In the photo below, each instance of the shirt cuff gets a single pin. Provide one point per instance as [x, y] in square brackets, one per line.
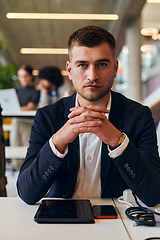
[119, 150]
[55, 151]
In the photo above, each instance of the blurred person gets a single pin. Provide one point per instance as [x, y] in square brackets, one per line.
[52, 85]
[3, 179]
[28, 98]
[27, 94]
[95, 143]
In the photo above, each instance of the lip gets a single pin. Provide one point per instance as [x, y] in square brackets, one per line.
[92, 86]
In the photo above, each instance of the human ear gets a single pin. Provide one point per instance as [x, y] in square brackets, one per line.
[68, 68]
[115, 67]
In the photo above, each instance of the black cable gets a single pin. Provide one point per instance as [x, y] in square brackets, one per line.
[144, 208]
[152, 238]
[141, 215]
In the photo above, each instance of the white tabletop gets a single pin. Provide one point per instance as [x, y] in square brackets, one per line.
[17, 152]
[19, 114]
[17, 222]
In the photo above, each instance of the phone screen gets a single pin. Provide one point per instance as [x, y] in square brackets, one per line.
[104, 211]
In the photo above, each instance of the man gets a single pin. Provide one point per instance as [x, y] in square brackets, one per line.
[95, 143]
[3, 179]
[51, 85]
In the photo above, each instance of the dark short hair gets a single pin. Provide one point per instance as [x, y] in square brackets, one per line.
[91, 36]
[52, 74]
[27, 68]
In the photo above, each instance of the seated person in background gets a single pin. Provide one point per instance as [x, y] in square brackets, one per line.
[52, 86]
[28, 98]
[27, 94]
[96, 142]
[3, 179]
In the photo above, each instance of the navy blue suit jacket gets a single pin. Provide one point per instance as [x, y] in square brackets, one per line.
[137, 168]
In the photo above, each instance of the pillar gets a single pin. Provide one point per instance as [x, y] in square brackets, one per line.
[133, 41]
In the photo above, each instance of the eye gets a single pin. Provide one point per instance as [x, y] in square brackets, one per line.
[82, 65]
[102, 65]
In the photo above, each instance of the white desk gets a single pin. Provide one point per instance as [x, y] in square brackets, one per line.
[15, 152]
[17, 222]
[19, 114]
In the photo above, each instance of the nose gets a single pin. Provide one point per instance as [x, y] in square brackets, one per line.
[92, 74]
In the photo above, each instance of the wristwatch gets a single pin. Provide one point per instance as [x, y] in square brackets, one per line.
[121, 140]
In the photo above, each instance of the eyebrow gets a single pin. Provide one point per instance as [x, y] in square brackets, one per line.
[99, 60]
[103, 60]
[81, 61]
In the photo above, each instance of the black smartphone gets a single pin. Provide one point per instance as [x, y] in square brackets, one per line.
[104, 211]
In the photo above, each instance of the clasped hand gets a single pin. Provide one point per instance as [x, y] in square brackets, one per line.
[83, 120]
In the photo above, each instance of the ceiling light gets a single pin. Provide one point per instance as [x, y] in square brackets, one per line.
[125, 51]
[62, 16]
[64, 73]
[153, 1]
[149, 31]
[156, 36]
[148, 48]
[44, 50]
[35, 72]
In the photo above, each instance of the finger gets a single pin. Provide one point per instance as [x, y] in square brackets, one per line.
[87, 124]
[94, 108]
[93, 114]
[81, 119]
[98, 109]
[77, 111]
[84, 117]
[79, 130]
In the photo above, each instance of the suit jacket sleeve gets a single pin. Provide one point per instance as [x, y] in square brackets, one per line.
[139, 164]
[41, 166]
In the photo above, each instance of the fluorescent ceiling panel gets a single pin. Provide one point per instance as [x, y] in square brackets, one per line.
[62, 16]
[44, 50]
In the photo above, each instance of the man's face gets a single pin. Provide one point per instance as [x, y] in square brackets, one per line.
[92, 71]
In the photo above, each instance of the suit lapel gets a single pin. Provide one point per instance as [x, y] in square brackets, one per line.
[73, 152]
[116, 118]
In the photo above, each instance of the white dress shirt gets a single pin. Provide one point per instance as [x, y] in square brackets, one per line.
[88, 179]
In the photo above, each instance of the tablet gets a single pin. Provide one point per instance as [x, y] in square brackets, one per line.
[64, 211]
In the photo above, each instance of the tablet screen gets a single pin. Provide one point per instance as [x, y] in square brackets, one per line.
[57, 211]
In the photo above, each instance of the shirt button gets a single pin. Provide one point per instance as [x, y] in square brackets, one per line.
[89, 158]
[87, 180]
